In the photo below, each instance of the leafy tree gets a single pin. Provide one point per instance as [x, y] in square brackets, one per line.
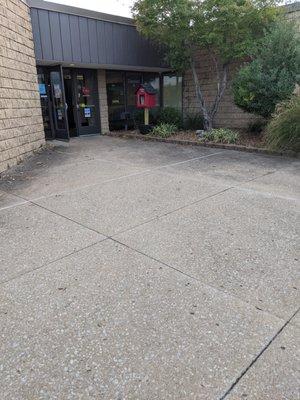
[272, 75]
[225, 28]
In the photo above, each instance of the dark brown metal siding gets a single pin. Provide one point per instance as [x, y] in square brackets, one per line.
[64, 37]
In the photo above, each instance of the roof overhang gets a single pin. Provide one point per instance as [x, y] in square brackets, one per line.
[102, 66]
[47, 5]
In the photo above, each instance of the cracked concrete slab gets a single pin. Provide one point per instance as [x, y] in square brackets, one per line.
[65, 178]
[110, 323]
[31, 237]
[245, 244]
[231, 167]
[284, 183]
[217, 281]
[279, 376]
[8, 200]
[122, 204]
[143, 155]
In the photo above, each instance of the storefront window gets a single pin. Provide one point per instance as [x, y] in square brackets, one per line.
[121, 98]
[172, 91]
[115, 98]
[133, 81]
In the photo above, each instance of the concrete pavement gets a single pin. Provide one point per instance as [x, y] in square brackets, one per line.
[139, 270]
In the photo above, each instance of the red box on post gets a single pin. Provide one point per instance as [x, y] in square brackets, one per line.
[145, 96]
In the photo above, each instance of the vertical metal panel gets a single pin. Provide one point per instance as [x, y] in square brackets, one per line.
[117, 39]
[36, 34]
[101, 43]
[45, 34]
[84, 40]
[108, 38]
[65, 37]
[132, 53]
[75, 38]
[55, 36]
[60, 36]
[93, 40]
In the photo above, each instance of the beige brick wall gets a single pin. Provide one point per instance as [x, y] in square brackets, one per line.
[229, 115]
[101, 74]
[21, 126]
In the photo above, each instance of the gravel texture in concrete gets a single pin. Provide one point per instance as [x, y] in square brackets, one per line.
[142, 270]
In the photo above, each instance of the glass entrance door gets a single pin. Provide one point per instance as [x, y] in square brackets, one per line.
[61, 128]
[86, 101]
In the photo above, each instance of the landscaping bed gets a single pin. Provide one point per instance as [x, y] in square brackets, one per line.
[245, 142]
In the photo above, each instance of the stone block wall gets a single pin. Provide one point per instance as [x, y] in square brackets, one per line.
[104, 124]
[229, 115]
[21, 125]
[293, 13]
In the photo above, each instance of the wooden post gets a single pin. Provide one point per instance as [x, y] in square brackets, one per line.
[146, 116]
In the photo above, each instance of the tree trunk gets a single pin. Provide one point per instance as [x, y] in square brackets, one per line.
[209, 114]
[207, 121]
[222, 83]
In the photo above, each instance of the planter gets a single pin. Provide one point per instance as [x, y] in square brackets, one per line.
[145, 129]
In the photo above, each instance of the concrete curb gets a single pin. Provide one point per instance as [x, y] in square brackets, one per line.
[236, 147]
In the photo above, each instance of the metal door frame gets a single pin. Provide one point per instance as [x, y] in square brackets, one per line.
[59, 134]
[81, 131]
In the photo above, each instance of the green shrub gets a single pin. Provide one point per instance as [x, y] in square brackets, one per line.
[164, 130]
[257, 126]
[221, 135]
[170, 115]
[271, 77]
[283, 131]
[193, 121]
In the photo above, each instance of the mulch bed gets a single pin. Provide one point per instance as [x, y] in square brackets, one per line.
[245, 138]
[248, 142]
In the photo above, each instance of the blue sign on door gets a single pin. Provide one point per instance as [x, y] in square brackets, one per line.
[87, 112]
[42, 89]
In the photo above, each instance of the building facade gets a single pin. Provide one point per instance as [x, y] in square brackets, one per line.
[66, 72]
[89, 66]
[21, 124]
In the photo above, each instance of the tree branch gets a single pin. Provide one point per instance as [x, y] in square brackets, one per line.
[199, 93]
[222, 83]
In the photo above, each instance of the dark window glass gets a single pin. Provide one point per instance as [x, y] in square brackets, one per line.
[115, 99]
[172, 91]
[85, 99]
[58, 100]
[133, 80]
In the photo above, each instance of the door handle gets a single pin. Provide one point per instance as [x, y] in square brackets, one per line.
[66, 106]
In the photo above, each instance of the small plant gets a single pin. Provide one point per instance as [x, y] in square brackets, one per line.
[283, 131]
[221, 135]
[170, 115]
[193, 121]
[164, 130]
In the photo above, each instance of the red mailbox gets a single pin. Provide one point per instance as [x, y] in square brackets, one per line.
[146, 96]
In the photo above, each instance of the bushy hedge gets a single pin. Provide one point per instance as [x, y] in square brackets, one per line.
[273, 72]
[283, 131]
